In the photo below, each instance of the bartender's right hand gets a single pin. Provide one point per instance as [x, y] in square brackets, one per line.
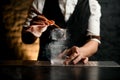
[39, 24]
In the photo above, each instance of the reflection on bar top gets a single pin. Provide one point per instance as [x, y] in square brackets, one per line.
[47, 63]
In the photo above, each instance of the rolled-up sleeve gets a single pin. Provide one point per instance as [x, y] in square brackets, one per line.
[94, 20]
[37, 5]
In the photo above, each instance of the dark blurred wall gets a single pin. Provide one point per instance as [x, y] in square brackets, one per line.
[14, 12]
[110, 31]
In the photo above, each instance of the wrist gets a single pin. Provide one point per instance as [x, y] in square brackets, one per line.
[89, 48]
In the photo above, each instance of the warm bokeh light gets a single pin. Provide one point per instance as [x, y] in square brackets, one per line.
[14, 15]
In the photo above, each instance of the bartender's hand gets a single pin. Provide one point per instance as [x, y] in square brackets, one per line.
[74, 55]
[39, 24]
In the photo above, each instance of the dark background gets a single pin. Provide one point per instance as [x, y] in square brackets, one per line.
[14, 12]
[110, 31]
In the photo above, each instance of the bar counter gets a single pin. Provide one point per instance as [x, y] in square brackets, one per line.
[43, 70]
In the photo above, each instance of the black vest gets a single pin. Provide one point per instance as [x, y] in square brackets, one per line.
[76, 25]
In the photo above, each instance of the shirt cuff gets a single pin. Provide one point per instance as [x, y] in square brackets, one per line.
[97, 40]
[94, 37]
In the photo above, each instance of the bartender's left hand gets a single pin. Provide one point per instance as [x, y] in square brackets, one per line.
[75, 55]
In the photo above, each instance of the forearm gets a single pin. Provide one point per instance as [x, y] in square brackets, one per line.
[90, 48]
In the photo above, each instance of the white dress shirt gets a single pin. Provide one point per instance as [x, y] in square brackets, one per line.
[67, 7]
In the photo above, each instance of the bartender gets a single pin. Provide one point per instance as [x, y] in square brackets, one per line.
[81, 18]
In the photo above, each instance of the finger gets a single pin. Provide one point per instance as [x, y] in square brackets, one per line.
[42, 18]
[77, 59]
[38, 28]
[39, 23]
[44, 29]
[64, 53]
[85, 60]
[71, 58]
[51, 22]
[46, 23]
[39, 18]
[36, 23]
